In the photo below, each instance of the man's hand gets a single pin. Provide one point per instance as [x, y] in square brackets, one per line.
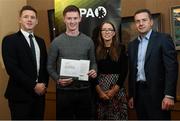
[131, 103]
[40, 88]
[167, 103]
[92, 73]
[65, 82]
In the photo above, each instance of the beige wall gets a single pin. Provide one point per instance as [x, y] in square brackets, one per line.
[43, 27]
[8, 24]
[9, 11]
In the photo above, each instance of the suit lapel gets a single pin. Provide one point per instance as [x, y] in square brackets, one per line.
[150, 46]
[26, 46]
[136, 44]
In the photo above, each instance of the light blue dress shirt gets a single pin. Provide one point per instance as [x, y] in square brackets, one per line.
[142, 48]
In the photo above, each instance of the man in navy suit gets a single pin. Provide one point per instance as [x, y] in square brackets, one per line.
[153, 70]
[24, 56]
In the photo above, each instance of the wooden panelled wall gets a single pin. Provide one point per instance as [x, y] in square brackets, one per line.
[128, 7]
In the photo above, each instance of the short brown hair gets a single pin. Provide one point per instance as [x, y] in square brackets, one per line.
[144, 11]
[71, 8]
[27, 7]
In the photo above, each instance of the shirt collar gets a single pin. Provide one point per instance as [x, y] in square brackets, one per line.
[26, 34]
[147, 36]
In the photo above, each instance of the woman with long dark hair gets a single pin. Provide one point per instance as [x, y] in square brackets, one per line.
[112, 70]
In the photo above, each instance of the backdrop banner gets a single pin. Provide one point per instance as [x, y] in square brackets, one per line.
[93, 12]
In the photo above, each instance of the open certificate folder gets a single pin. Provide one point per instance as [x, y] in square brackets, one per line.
[76, 69]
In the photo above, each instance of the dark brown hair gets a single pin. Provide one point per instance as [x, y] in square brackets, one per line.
[144, 11]
[101, 52]
[27, 7]
[71, 8]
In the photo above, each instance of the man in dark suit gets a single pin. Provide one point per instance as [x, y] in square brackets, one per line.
[153, 70]
[24, 56]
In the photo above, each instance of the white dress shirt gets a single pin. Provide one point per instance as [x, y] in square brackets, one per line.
[37, 50]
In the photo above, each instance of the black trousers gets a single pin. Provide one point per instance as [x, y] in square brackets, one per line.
[74, 104]
[146, 109]
[27, 110]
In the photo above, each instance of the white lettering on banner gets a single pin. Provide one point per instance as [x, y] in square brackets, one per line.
[90, 13]
[99, 12]
[83, 11]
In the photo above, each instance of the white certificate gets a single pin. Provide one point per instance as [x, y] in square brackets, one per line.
[75, 69]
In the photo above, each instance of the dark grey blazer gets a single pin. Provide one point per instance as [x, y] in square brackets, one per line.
[161, 66]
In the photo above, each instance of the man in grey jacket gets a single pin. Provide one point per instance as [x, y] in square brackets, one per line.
[73, 99]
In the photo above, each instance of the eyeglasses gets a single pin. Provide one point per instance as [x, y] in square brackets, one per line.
[107, 30]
